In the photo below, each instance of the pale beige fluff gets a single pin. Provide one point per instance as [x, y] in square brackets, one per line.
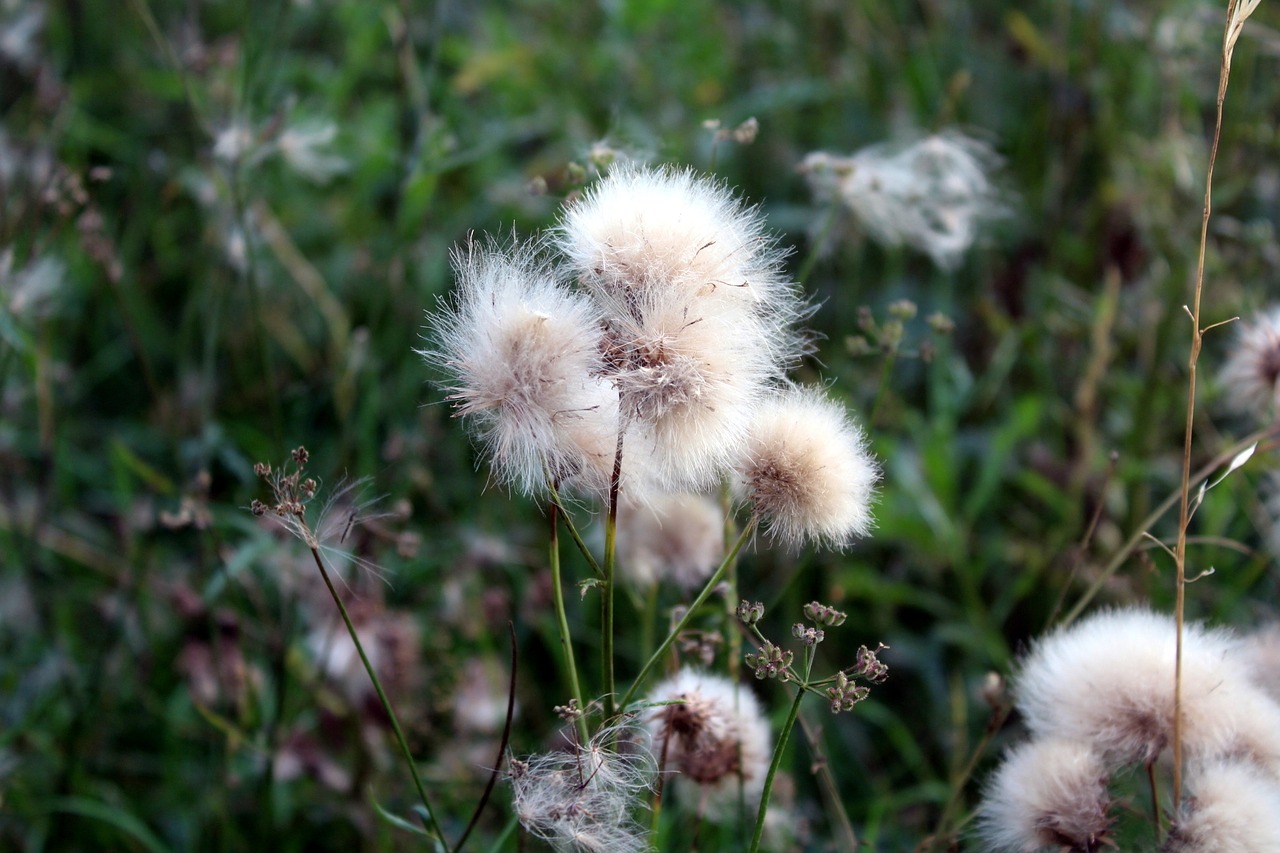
[1048, 794]
[677, 538]
[807, 471]
[643, 229]
[1108, 680]
[716, 739]
[522, 354]
[1233, 807]
[1251, 373]
[1262, 655]
[689, 373]
[934, 195]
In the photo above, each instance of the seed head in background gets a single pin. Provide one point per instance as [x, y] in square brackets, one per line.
[522, 353]
[677, 537]
[935, 195]
[1234, 807]
[1048, 794]
[1109, 681]
[1251, 375]
[713, 735]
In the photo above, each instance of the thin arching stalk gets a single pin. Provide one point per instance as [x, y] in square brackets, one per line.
[386, 703]
[707, 589]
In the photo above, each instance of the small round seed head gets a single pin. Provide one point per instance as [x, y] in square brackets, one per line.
[1233, 807]
[1251, 374]
[1108, 680]
[688, 374]
[642, 229]
[807, 471]
[715, 737]
[522, 355]
[679, 538]
[1049, 794]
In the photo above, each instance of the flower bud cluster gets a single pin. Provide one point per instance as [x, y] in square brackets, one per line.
[771, 662]
[805, 634]
[749, 612]
[821, 614]
[844, 694]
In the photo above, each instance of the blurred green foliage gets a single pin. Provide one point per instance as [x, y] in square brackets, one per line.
[243, 211]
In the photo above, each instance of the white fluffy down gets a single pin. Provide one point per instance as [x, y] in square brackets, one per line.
[1048, 794]
[1108, 680]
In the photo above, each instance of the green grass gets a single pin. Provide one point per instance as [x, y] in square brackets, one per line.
[165, 364]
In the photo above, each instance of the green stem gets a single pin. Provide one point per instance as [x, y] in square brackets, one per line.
[573, 530]
[711, 584]
[606, 601]
[1132, 542]
[386, 703]
[778, 751]
[566, 639]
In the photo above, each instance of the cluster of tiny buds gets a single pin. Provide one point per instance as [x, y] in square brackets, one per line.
[291, 492]
[845, 694]
[868, 666]
[750, 612]
[772, 662]
[569, 713]
[805, 634]
[821, 614]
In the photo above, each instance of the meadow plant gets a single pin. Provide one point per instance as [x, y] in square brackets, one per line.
[1251, 373]
[636, 358]
[935, 195]
[1098, 700]
[711, 735]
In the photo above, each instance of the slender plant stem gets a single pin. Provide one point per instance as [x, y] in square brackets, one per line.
[566, 639]
[1156, 514]
[711, 584]
[1197, 339]
[778, 751]
[382, 697]
[606, 601]
[813, 734]
[502, 746]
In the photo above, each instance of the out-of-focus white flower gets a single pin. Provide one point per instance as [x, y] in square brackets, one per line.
[934, 195]
[19, 28]
[1048, 794]
[806, 470]
[300, 146]
[583, 800]
[714, 736]
[1233, 807]
[234, 143]
[32, 291]
[671, 537]
[1251, 375]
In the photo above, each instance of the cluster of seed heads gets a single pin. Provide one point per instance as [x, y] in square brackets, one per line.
[821, 614]
[772, 662]
[290, 491]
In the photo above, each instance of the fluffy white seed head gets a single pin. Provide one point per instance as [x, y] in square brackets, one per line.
[523, 358]
[679, 538]
[1251, 375]
[1108, 680]
[1233, 807]
[688, 373]
[584, 799]
[934, 195]
[1261, 651]
[715, 738]
[807, 470]
[1048, 794]
[643, 229]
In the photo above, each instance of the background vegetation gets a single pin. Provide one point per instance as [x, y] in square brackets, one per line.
[192, 284]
